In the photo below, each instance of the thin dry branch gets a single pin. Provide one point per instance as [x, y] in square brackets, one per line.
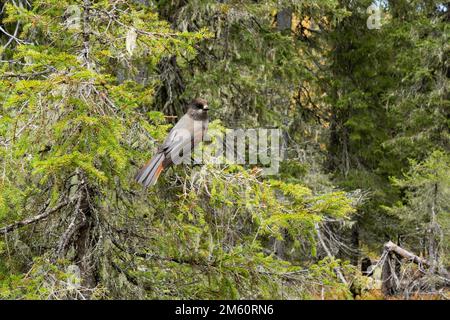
[329, 254]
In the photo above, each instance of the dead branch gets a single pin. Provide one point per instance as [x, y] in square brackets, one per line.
[34, 219]
[391, 267]
[322, 242]
[392, 247]
[70, 231]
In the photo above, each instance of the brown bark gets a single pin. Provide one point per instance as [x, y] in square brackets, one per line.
[355, 244]
[389, 275]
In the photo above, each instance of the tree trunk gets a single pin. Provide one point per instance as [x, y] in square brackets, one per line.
[84, 246]
[284, 19]
[355, 244]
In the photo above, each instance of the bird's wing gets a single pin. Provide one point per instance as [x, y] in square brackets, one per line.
[180, 135]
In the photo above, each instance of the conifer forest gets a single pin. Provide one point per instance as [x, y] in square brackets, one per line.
[321, 168]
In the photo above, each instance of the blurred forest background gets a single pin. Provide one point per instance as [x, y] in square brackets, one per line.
[359, 209]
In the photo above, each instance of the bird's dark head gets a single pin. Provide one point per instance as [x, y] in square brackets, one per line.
[198, 109]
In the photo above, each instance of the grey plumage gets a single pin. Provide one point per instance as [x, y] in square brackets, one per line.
[188, 132]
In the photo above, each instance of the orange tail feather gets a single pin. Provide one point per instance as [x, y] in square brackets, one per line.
[151, 171]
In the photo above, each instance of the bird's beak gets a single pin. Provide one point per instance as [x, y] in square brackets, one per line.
[205, 107]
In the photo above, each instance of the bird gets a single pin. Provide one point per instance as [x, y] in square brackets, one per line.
[189, 131]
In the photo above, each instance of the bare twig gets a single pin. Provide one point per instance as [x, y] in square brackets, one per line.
[322, 242]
